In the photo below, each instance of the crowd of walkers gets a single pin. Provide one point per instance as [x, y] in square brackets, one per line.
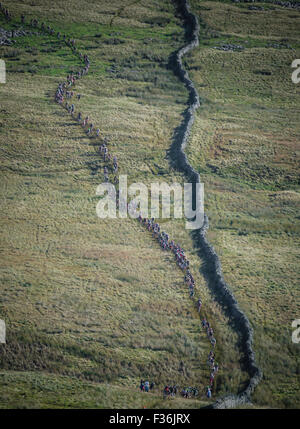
[184, 264]
[187, 392]
[63, 92]
[146, 386]
[63, 96]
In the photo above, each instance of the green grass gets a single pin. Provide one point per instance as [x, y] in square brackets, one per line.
[91, 305]
[42, 390]
[245, 144]
[82, 297]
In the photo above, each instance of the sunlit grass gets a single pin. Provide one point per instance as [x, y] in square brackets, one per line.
[83, 297]
[245, 144]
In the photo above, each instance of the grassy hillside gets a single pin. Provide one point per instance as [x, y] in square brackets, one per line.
[82, 297]
[245, 144]
[91, 306]
[40, 390]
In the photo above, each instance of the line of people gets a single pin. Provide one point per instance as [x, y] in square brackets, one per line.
[170, 391]
[184, 264]
[5, 12]
[63, 91]
[189, 392]
[86, 123]
[146, 386]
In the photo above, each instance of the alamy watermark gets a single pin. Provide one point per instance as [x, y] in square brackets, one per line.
[161, 200]
[2, 72]
[296, 73]
[2, 332]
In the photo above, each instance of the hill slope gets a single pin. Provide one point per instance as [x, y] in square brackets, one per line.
[91, 301]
